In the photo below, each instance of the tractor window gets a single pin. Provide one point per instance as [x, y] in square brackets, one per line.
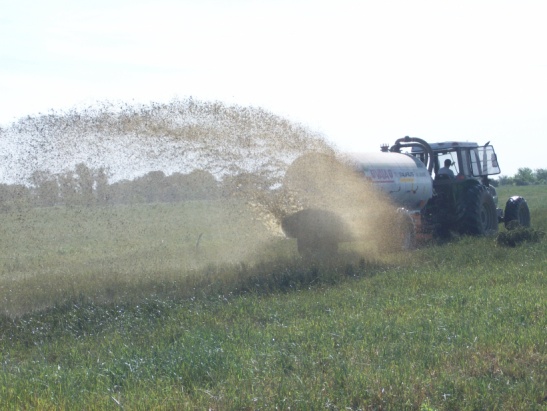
[443, 156]
[466, 171]
[489, 160]
[484, 161]
[475, 163]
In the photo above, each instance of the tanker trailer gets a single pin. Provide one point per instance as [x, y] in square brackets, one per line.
[372, 196]
[394, 196]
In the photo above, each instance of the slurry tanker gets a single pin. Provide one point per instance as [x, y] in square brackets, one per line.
[424, 200]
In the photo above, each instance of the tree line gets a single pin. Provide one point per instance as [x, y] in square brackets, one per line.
[525, 176]
[85, 186]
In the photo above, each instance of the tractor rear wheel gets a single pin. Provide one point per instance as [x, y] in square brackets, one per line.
[516, 209]
[480, 217]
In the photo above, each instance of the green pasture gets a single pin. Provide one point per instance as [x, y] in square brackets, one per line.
[198, 306]
[54, 253]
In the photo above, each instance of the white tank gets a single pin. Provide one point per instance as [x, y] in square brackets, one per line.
[403, 177]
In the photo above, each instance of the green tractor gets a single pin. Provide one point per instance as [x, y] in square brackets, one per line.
[463, 200]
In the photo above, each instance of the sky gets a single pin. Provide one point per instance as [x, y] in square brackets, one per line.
[363, 73]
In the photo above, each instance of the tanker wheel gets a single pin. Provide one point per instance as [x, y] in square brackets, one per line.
[407, 234]
[480, 216]
[516, 210]
[317, 248]
[398, 233]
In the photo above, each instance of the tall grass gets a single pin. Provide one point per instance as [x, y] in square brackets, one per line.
[458, 326]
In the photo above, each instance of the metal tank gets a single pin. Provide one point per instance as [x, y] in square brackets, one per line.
[320, 226]
[403, 177]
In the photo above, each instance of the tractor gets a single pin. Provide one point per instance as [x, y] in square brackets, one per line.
[418, 199]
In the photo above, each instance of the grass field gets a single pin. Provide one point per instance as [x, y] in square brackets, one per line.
[50, 254]
[169, 307]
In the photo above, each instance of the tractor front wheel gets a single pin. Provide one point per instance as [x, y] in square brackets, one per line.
[516, 210]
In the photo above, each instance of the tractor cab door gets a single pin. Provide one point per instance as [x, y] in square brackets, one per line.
[483, 161]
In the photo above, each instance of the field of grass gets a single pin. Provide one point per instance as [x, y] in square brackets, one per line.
[122, 308]
[109, 253]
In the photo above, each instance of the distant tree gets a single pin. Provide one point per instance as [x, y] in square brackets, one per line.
[102, 187]
[85, 182]
[13, 197]
[524, 177]
[197, 185]
[46, 188]
[505, 180]
[541, 175]
[68, 188]
[151, 186]
[200, 185]
[124, 192]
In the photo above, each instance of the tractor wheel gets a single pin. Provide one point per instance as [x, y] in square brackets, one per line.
[516, 209]
[480, 216]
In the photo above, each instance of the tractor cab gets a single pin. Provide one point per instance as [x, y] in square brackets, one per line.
[463, 199]
[467, 160]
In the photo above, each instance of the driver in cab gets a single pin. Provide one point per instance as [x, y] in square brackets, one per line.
[446, 171]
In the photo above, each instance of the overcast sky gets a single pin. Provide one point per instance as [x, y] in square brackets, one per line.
[361, 72]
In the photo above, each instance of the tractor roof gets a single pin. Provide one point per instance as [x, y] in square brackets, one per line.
[447, 145]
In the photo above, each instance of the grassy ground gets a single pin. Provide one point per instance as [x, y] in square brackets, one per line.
[109, 253]
[459, 326]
